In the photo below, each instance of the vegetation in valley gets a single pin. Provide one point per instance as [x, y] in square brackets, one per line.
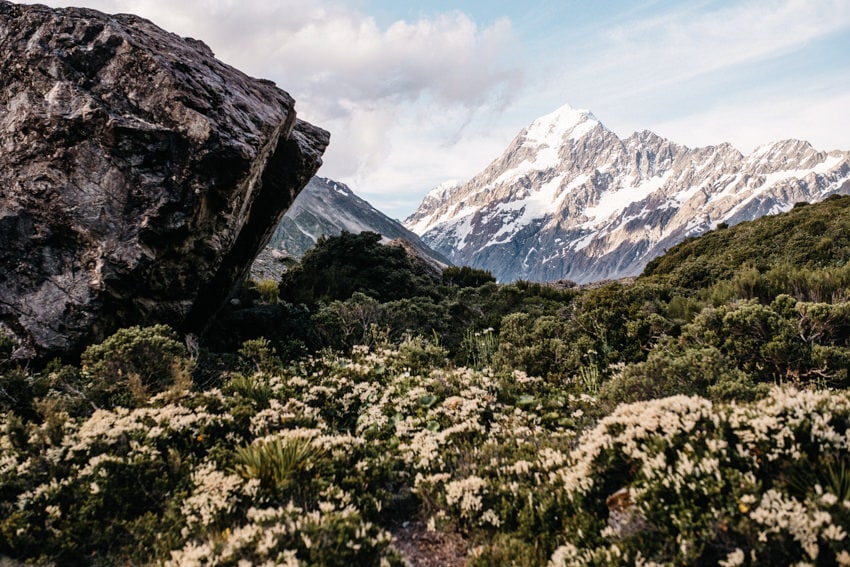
[698, 415]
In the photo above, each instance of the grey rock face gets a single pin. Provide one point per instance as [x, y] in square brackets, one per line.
[139, 176]
[327, 208]
[568, 199]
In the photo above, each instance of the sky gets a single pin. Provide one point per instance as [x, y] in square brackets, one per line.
[416, 94]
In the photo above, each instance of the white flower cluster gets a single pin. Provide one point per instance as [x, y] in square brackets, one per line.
[478, 450]
[683, 450]
[215, 493]
[273, 536]
[466, 494]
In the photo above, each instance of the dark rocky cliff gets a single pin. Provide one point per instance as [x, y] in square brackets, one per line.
[139, 176]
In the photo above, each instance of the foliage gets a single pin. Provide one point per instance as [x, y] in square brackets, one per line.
[261, 354]
[512, 460]
[696, 416]
[267, 289]
[480, 347]
[781, 342]
[253, 387]
[277, 464]
[339, 266]
[464, 276]
[132, 364]
[675, 369]
[344, 324]
[814, 237]
[684, 481]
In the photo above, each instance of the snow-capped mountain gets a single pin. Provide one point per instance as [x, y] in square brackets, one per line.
[570, 200]
[326, 208]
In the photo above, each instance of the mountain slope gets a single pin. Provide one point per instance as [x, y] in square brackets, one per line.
[814, 237]
[568, 199]
[327, 208]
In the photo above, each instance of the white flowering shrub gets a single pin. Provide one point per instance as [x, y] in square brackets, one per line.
[318, 464]
[685, 481]
[165, 482]
[107, 482]
[332, 534]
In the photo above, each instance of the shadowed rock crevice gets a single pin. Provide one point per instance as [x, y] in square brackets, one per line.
[288, 168]
[139, 176]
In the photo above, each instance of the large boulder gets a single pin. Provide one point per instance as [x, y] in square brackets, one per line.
[139, 176]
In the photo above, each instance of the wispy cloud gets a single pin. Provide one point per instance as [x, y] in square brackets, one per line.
[710, 65]
[697, 39]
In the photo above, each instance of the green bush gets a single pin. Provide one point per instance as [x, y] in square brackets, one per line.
[540, 346]
[479, 347]
[16, 391]
[419, 355]
[814, 237]
[464, 276]
[339, 266]
[255, 387]
[261, 355]
[673, 370]
[341, 325]
[277, 464]
[134, 364]
[268, 289]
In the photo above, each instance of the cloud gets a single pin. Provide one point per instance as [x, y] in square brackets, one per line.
[706, 72]
[366, 144]
[755, 31]
[420, 159]
[347, 73]
[363, 82]
[410, 103]
[656, 52]
[447, 57]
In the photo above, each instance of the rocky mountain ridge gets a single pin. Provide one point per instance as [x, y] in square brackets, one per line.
[327, 208]
[569, 199]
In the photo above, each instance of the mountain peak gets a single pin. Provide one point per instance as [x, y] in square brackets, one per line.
[443, 189]
[326, 208]
[569, 199]
[332, 185]
[789, 146]
[552, 128]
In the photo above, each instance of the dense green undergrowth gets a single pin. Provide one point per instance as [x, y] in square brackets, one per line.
[696, 416]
